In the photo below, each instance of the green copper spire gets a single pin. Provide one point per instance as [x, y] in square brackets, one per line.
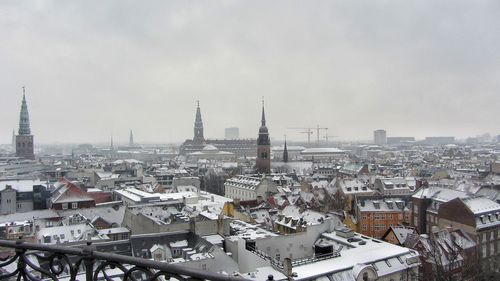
[24, 118]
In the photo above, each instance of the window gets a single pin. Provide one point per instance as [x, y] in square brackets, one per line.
[204, 266]
[64, 206]
[74, 205]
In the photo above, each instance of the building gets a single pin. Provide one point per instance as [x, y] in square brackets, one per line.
[68, 195]
[293, 152]
[263, 162]
[232, 133]
[210, 153]
[24, 139]
[380, 137]
[17, 196]
[322, 153]
[439, 140]
[399, 140]
[245, 187]
[397, 235]
[426, 203]
[326, 251]
[239, 147]
[450, 253]
[479, 217]
[375, 216]
[398, 186]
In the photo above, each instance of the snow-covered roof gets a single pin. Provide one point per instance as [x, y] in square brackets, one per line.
[440, 194]
[479, 205]
[322, 150]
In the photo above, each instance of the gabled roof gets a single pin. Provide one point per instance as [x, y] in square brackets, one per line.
[69, 192]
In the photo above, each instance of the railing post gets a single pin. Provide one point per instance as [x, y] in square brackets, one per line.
[88, 260]
[21, 265]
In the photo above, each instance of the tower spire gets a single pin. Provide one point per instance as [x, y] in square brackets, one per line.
[285, 152]
[263, 163]
[24, 140]
[24, 118]
[111, 145]
[263, 120]
[198, 125]
[131, 139]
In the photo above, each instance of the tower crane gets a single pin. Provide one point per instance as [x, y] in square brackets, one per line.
[309, 131]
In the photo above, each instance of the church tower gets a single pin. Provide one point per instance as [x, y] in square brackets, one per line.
[24, 139]
[263, 147]
[198, 127]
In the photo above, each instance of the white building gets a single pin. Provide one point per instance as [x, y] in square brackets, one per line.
[245, 187]
[326, 251]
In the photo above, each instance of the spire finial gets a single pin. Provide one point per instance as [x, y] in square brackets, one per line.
[263, 121]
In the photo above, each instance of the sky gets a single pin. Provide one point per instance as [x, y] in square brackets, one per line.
[96, 69]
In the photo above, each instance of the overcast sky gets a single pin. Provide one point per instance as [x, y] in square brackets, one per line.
[93, 69]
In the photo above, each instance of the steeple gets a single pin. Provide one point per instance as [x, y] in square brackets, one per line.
[285, 152]
[263, 132]
[263, 163]
[263, 119]
[24, 118]
[131, 139]
[112, 147]
[198, 126]
[24, 139]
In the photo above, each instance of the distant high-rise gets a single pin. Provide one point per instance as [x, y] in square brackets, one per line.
[131, 139]
[263, 147]
[232, 133]
[198, 127]
[380, 137]
[24, 139]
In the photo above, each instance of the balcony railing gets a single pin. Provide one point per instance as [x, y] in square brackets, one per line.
[51, 262]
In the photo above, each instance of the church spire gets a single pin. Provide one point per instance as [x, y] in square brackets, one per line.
[198, 125]
[24, 118]
[263, 163]
[131, 139]
[112, 147]
[24, 139]
[263, 120]
[285, 152]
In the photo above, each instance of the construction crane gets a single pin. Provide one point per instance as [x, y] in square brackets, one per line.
[309, 131]
[317, 131]
[327, 137]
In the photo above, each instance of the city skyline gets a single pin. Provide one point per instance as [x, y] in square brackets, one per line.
[95, 71]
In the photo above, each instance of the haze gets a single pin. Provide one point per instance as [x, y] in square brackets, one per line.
[93, 69]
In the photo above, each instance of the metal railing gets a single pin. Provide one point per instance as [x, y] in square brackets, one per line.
[51, 262]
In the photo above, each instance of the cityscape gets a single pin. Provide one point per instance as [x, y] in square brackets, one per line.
[256, 186]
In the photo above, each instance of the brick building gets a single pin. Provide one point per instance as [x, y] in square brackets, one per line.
[375, 215]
